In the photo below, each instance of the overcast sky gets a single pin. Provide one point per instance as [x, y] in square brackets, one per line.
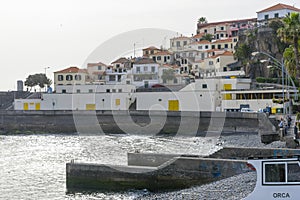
[35, 34]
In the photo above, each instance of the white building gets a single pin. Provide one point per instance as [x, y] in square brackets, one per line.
[277, 11]
[144, 72]
[82, 97]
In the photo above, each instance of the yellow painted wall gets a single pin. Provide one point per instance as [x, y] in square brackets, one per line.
[118, 102]
[25, 106]
[173, 105]
[37, 106]
[90, 106]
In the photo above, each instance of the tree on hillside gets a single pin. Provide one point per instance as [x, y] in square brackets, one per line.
[37, 80]
[202, 20]
[207, 37]
[289, 60]
[290, 34]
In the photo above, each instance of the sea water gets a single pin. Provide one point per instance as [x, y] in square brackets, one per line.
[34, 166]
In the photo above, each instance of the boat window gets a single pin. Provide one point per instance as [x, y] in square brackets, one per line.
[293, 172]
[274, 173]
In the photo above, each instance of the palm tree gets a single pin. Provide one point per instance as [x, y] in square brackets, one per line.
[290, 34]
[207, 37]
[202, 20]
[289, 60]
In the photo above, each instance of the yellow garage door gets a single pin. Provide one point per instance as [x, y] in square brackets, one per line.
[25, 106]
[90, 106]
[173, 105]
[37, 106]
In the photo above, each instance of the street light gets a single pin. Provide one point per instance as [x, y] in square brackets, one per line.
[46, 70]
[280, 65]
[46, 75]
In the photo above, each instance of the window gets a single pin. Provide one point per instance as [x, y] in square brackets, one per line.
[276, 15]
[145, 68]
[77, 91]
[69, 77]
[168, 57]
[210, 62]
[213, 46]
[199, 47]
[219, 46]
[91, 90]
[114, 90]
[117, 65]
[218, 60]
[178, 44]
[266, 17]
[112, 78]
[120, 90]
[99, 67]
[138, 69]
[175, 81]
[99, 77]
[222, 35]
[206, 46]
[108, 90]
[278, 173]
[60, 77]
[77, 77]
[153, 69]
[158, 57]
[293, 174]
[204, 86]
[152, 52]
[222, 28]
[184, 43]
[63, 91]
[205, 31]
[226, 46]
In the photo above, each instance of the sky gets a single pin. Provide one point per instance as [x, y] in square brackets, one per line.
[50, 35]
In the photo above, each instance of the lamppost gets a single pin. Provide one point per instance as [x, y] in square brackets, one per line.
[46, 75]
[46, 70]
[280, 65]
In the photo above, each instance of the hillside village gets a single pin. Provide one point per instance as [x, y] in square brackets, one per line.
[196, 73]
[208, 53]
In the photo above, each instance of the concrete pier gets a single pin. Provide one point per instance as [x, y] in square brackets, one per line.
[157, 172]
[118, 122]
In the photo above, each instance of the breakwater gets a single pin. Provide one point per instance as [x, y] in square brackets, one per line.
[134, 122]
[158, 172]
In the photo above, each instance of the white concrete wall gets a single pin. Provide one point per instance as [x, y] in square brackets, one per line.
[188, 101]
[282, 13]
[101, 101]
[95, 88]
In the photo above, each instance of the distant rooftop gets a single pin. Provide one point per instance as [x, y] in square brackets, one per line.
[280, 6]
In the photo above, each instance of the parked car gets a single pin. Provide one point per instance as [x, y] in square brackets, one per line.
[248, 110]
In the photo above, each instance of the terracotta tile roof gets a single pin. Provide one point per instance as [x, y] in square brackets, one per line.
[279, 6]
[223, 41]
[121, 60]
[202, 42]
[200, 35]
[171, 66]
[140, 61]
[226, 22]
[72, 70]
[226, 53]
[151, 48]
[162, 53]
[96, 64]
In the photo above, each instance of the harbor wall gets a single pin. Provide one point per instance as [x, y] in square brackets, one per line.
[178, 173]
[133, 122]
